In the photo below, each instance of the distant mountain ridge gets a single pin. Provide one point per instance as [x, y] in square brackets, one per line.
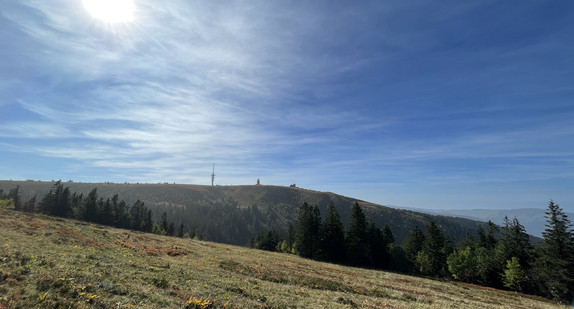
[532, 218]
[234, 214]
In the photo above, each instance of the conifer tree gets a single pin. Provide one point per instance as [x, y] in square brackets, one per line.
[15, 196]
[434, 246]
[388, 236]
[555, 262]
[163, 224]
[515, 242]
[30, 205]
[91, 206]
[180, 231]
[377, 253]
[171, 229]
[307, 234]
[332, 237]
[413, 244]
[356, 238]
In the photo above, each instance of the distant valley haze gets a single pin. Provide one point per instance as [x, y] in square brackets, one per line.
[434, 105]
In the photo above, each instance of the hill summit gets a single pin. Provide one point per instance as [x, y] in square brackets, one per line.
[235, 214]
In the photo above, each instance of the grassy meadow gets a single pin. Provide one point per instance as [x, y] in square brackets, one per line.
[55, 263]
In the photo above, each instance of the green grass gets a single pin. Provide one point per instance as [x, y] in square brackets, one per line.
[55, 263]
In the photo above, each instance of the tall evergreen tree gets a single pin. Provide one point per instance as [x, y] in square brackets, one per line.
[413, 244]
[515, 242]
[290, 239]
[307, 234]
[107, 216]
[555, 262]
[434, 246]
[15, 196]
[332, 237]
[488, 267]
[388, 236]
[163, 224]
[30, 205]
[356, 238]
[180, 232]
[377, 252]
[91, 206]
[138, 214]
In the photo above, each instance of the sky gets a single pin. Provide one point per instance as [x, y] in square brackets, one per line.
[437, 105]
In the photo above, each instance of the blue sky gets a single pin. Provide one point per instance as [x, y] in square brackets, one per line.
[450, 104]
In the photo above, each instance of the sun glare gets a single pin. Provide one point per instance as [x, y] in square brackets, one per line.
[111, 11]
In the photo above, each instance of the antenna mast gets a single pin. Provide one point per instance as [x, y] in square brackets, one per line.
[213, 175]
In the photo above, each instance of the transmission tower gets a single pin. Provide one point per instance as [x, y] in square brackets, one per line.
[213, 175]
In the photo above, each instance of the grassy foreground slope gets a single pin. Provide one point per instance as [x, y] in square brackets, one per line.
[53, 263]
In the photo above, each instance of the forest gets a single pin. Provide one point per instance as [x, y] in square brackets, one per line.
[494, 256]
[499, 257]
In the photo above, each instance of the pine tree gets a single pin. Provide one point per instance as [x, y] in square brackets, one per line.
[332, 237]
[555, 263]
[356, 238]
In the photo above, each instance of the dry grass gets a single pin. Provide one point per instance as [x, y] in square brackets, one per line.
[53, 263]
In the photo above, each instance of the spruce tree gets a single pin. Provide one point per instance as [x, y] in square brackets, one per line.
[412, 245]
[307, 234]
[515, 243]
[377, 252]
[356, 238]
[30, 205]
[91, 206]
[332, 237]
[434, 246]
[15, 196]
[555, 263]
[163, 224]
[388, 236]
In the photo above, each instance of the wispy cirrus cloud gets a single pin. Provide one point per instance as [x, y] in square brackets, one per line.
[357, 96]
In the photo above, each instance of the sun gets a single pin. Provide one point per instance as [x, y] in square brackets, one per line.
[111, 11]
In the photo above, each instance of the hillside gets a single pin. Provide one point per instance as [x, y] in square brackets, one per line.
[55, 263]
[235, 214]
[533, 219]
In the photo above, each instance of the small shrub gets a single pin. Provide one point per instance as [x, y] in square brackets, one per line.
[161, 283]
[346, 301]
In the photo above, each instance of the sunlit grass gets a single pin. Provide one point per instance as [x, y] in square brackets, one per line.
[54, 263]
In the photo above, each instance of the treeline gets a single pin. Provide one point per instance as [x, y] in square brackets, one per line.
[61, 202]
[220, 220]
[500, 257]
